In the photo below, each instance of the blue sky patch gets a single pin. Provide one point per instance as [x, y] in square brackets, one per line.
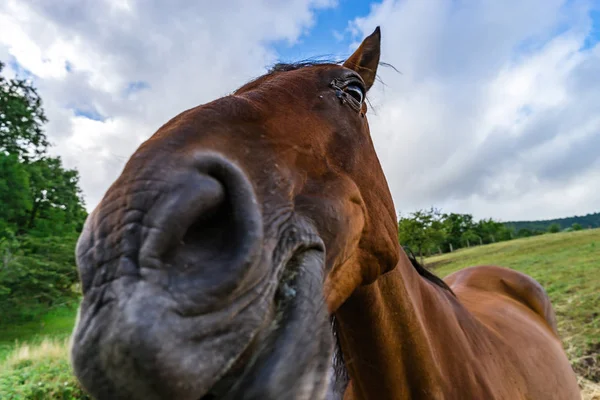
[22, 72]
[136, 86]
[329, 34]
[594, 36]
[89, 113]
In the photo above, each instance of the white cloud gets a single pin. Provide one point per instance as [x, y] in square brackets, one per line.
[496, 110]
[185, 52]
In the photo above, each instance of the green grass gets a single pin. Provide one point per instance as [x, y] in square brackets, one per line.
[39, 372]
[34, 362]
[56, 323]
[568, 266]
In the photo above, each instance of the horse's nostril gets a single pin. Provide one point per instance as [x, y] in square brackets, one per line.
[192, 196]
[206, 231]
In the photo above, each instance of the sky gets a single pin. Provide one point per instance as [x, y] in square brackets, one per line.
[495, 110]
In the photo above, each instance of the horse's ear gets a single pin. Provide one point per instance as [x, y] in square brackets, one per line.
[366, 58]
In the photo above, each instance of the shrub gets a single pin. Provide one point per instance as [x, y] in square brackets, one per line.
[35, 274]
[554, 228]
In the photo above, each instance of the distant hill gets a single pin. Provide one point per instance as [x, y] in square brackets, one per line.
[586, 221]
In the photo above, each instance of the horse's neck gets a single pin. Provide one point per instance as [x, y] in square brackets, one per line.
[386, 332]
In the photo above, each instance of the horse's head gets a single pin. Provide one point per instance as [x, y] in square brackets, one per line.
[211, 266]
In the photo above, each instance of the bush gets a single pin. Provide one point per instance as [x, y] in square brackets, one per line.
[554, 228]
[35, 274]
[41, 372]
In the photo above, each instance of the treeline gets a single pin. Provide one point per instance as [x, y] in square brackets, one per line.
[588, 221]
[428, 232]
[41, 209]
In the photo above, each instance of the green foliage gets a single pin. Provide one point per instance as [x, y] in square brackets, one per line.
[430, 231]
[36, 273]
[37, 194]
[41, 210]
[40, 374]
[456, 225]
[493, 231]
[21, 119]
[524, 232]
[586, 221]
[421, 231]
[15, 198]
[40, 196]
[554, 228]
[57, 203]
[57, 322]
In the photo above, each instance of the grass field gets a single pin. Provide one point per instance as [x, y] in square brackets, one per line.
[566, 264]
[56, 324]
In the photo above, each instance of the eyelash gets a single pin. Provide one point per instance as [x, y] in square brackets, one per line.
[356, 92]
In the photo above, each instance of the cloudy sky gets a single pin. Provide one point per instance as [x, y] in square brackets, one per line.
[496, 111]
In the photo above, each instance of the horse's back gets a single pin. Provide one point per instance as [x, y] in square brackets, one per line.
[520, 320]
[507, 282]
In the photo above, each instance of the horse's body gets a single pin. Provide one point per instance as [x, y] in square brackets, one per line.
[496, 339]
[212, 266]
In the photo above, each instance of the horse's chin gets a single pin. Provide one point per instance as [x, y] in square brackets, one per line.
[261, 347]
[291, 358]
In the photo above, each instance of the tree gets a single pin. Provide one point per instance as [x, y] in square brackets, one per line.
[35, 273]
[576, 227]
[21, 119]
[455, 226]
[554, 228]
[57, 203]
[469, 237]
[36, 192]
[588, 220]
[422, 231]
[15, 199]
[490, 231]
[524, 232]
[41, 210]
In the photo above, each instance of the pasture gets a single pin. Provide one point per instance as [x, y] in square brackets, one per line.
[33, 361]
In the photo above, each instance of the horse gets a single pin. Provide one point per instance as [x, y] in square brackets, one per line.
[249, 250]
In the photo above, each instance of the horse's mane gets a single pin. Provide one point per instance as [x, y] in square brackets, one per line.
[424, 272]
[310, 62]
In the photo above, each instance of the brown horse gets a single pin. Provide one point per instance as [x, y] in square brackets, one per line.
[215, 264]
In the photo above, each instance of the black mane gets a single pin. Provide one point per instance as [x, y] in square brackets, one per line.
[424, 272]
[284, 67]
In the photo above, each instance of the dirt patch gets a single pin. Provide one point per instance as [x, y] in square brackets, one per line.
[588, 366]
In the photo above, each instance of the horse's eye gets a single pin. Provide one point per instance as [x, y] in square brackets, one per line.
[355, 91]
